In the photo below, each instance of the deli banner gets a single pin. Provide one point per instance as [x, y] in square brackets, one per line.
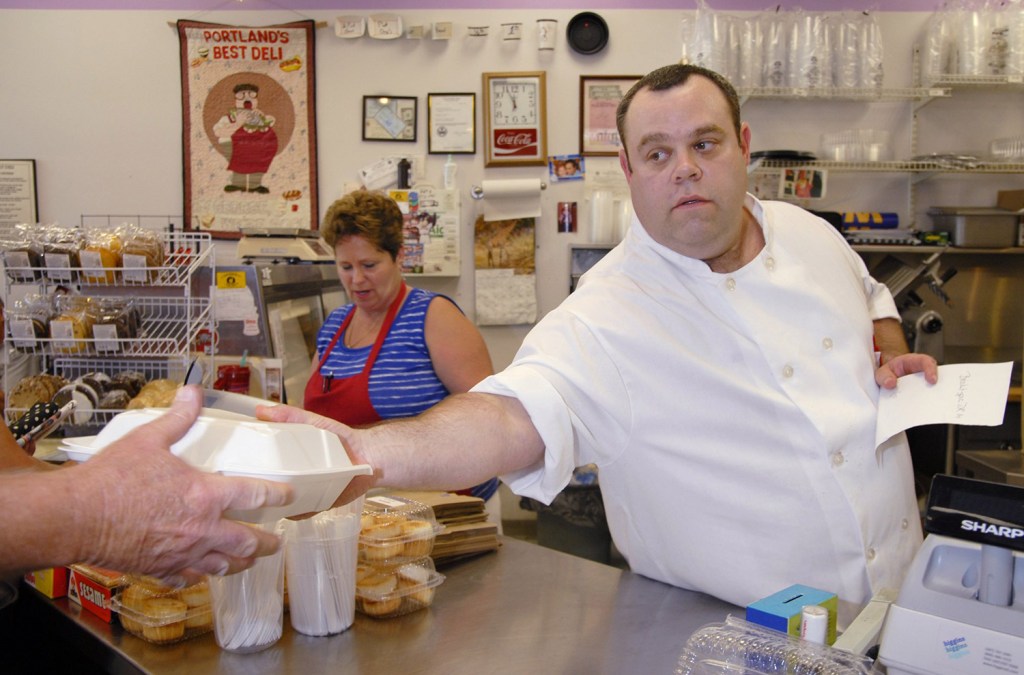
[249, 126]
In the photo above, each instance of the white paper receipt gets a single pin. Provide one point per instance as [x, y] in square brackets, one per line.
[966, 393]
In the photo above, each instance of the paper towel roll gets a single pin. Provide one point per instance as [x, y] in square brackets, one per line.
[508, 199]
[602, 217]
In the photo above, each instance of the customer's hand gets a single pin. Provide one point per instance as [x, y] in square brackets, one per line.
[349, 438]
[142, 509]
[905, 364]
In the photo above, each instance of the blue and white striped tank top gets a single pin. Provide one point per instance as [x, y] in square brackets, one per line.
[402, 382]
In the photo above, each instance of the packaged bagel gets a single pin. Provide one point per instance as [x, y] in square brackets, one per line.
[395, 530]
[163, 615]
[101, 256]
[384, 592]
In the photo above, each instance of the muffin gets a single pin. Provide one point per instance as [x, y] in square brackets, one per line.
[165, 619]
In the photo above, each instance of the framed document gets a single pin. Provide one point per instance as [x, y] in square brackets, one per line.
[599, 101]
[515, 119]
[389, 118]
[451, 124]
[20, 204]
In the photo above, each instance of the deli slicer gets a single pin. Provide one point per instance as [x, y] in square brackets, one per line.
[960, 610]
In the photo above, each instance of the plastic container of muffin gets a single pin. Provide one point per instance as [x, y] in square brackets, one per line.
[395, 530]
[163, 615]
[385, 592]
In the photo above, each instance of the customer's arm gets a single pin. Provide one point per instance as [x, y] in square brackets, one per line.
[13, 457]
[895, 358]
[135, 507]
[457, 350]
[462, 441]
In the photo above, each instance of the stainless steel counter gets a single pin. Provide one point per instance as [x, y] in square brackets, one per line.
[522, 609]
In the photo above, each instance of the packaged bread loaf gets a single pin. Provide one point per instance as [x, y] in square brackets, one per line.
[28, 321]
[71, 327]
[22, 254]
[101, 256]
[62, 248]
[116, 320]
[143, 255]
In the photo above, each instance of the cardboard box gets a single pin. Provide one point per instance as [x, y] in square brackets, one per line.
[93, 587]
[51, 582]
[783, 610]
[1011, 200]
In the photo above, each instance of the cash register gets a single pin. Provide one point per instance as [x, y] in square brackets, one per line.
[960, 610]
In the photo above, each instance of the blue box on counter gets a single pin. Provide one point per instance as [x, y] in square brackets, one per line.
[783, 610]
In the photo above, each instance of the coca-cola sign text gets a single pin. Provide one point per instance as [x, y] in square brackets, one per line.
[515, 143]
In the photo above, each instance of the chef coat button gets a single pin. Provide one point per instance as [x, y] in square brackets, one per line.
[769, 262]
[870, 554]
[827, 343]
[838, 458]
[904, 523]
[787, 371]
[730, 284]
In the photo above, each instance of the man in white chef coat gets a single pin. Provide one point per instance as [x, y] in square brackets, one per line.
[720, 368]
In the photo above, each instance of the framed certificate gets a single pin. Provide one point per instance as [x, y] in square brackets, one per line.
[389, 118]
[515, 119]
[599, 101]
[451, 124]
[20, 204]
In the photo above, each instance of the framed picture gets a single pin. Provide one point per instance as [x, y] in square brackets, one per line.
[515, 119]
[18, 186]
[389, 118]
[451, 124]
[599, 100]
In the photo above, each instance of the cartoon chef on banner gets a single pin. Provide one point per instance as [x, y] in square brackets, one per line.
[247, 138]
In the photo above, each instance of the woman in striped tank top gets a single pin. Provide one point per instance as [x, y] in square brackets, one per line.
[393, 351]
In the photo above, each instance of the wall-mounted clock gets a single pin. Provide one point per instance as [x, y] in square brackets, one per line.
[515, 119]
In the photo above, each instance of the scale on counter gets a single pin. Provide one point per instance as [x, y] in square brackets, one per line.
[285, 244]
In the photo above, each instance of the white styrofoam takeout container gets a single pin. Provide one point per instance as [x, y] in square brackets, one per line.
[313, 461]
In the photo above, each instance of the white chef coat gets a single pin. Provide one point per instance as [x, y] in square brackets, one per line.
[732, 416]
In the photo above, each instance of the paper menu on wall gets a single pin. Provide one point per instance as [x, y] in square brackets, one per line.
[966, 393]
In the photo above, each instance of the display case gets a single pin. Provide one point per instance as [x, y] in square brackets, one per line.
[276, 310]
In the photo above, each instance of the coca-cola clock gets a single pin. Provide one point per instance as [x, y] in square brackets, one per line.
[515, 119]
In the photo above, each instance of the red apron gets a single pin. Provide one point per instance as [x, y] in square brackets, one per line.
[347, 400]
